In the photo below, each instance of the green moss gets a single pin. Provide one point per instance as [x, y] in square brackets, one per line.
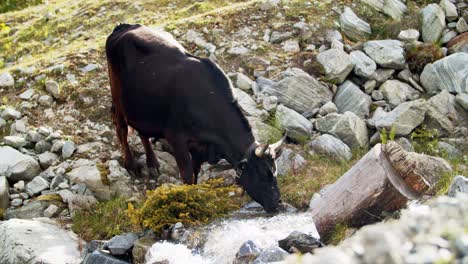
[188, 204]
[103, 221]
[337, 235]
[11, 5]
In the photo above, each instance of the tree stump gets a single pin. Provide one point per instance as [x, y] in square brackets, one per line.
[383, 180]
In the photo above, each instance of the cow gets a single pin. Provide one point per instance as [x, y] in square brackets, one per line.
[164, 92]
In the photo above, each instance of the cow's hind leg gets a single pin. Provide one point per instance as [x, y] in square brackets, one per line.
[182, 155]
[122, 134]
[151, 160]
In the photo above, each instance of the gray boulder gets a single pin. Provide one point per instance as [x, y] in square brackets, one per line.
[393, 8]
[17, 166]
[208, 172]
[289, 162]
[263, 132]
[449, 73]
[409, 35]
[10, 114]
[332, 147]
[37, 241]
[462, 25]
[271, 254]
[459, 185]
[364, 66]
[444, 114]
[243, 82]
[119, 245]
[85, 171]
[396, 92]
[348, 127]
[350, 98]
[53, 88]
[31, 210]
[300, 92]
[4, 193]
[6, 80]
[68, 149]
[450, 10]
[247, 253]
[248, 105]
[303, 242]
[46, 159]
[337, 64]
[354, 27]
[405, 117]
[462, 100]
[15, 141]
[433, 23]
[296, 126]
[36, 186]
[328, 108]
[386, 53]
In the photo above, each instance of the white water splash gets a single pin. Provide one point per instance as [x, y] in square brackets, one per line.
[226, 237]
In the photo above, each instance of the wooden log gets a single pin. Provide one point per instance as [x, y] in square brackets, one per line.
[383, 180]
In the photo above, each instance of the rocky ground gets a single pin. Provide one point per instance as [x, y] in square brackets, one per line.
[337, 76]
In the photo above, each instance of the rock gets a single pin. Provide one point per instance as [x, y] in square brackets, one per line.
[77, 202]
[37, 185]
[37, 241]
[269, 4]
[404, 143]
[337, 64]
[10, 114]
[53, 88]
[462, 100]
[119, 245]
[459, 185]
[45, 100]
[208, 172]
[56, 181]
[348, 127]
[90, 67]
[46, 159]
[296, 126]
[396, 92]
[451, 151]
[386, 53]
[462, 245]
[381, 75]
[263, 132]
[141, 247]
[369, 86]
[449, 73]
[31, 210]
[247, 253]
[19, 186]
[450, 10]
[291, 46]
[393, 8]
[26, 95]
[16, 202]
[68, 149]
[462, 25]
[98, 257]
[17, 166]
[51, 211]
[4, 193]
[248, 105]
[6, 80]
[433, 168]
[15, 142]
[271, 254]
[87, 172]
[270, 102]
[300, 241]
[353, 27]
[243, 82]
[328, 108]
[458, 44]
[288, 162]
[300, 92]
[278, 37]
[332, 147]
[350, 98]
[433, 23]
[238, 50]
[444, 115]
[42, 146]
[447, 36]
[409, 35]
[405, 117]
[364, 66]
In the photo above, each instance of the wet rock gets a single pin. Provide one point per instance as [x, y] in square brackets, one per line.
[393, 8]
[450, 10]
[98, 257]
[459, 185]
[271, 254]
[36, 186]
[396, 92]
[433, 23]
[300, 91]
[37, 241]
[386, 53]
[348, 127]
[10, 114]
[53, 88]
[31, 210]
[299, 241]
[337, 64]
[350, 98]
[141, 247]
[289, 162]
[405, 117]
[4, 193]
[119, 245]
[17, 166]
[248, 105]
[6, 80]
[328, 108]
[448, 74]
[332, 147]
[247, 253]
[409, 35]
[296, 126]
[15, 142]
[365, 66]
[444, 114]
[354, 27]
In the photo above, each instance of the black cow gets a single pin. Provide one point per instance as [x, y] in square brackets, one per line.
[163, 92]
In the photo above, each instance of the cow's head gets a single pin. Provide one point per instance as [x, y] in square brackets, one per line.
[258, 176]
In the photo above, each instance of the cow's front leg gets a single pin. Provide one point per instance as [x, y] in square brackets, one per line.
[151, 160]
[183, 158]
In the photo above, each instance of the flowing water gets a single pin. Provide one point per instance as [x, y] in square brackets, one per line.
[224, 238]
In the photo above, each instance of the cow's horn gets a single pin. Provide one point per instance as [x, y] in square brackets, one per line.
[260, 150]
[273, 148]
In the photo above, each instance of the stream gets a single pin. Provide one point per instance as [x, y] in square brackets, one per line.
[219, 241]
